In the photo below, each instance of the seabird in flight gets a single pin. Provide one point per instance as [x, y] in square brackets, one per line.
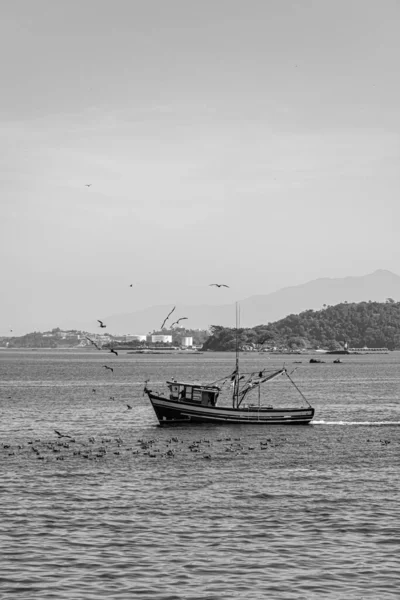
[167, 317]
[101, 323]
[114, 351]
[219, 284]
[109, 368]
[181, 319]
[92, 342]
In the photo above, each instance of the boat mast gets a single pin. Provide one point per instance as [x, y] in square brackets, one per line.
[236, 390]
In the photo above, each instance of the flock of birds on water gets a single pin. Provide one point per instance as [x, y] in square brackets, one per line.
[67, 447]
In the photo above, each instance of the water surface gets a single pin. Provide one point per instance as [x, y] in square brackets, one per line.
[125, 509]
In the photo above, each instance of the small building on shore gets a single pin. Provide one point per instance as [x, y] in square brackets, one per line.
[159, 337]
[135, 338]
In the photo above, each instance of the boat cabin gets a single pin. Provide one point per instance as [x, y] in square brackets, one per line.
[192, 392]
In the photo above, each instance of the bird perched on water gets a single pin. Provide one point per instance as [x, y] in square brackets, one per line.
[219, 284]
[114, 351]
[109, 368]
[129, 407]
[61, 435]
[101, 323]
[167, 317]
[181, 319]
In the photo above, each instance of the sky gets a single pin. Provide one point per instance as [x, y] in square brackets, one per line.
[249, 143]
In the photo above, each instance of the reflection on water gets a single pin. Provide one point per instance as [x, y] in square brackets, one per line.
[124, 509]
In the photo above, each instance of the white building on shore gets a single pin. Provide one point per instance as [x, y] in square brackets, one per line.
[135, 338]
[165, 339]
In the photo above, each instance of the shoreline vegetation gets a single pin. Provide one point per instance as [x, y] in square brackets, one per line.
[359, 326]
[363, 325]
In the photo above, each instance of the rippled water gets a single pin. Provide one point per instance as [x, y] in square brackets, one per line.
[125, 509]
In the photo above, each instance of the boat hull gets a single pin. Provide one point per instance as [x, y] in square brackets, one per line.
[172, 412]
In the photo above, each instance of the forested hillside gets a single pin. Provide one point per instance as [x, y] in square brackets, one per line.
[372, 324]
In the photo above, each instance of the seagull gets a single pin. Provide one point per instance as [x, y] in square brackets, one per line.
[101, 323]
[92, 342]
[109, 368]
[167, 317]
[114, 351]
[219, 284]
[94, 391]
[61, 435]
[88, 185]
[129, 406]
[181, 319]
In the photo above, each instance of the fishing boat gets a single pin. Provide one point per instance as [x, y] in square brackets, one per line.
[194, 402]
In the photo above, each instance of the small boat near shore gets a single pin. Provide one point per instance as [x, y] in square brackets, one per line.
[194, 402]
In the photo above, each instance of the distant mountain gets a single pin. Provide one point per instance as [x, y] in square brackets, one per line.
[292, 300]
[263, 309]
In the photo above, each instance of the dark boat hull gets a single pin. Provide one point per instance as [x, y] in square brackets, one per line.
[172, 412]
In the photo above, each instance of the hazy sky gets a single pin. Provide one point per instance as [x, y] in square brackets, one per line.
[254, 143]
